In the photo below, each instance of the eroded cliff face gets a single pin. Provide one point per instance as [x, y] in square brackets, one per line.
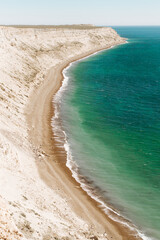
[26, 55]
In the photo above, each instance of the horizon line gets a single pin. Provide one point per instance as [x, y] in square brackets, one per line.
[70, 25]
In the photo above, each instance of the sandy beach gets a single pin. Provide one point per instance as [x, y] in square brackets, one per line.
[39, 197]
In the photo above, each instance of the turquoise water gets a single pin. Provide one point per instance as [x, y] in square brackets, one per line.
[111, 114]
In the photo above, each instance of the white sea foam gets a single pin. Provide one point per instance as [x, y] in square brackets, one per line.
[61, 138]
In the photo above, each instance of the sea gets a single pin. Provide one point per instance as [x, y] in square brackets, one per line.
[108, 110]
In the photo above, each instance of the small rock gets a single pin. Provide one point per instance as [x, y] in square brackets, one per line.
[94, 238]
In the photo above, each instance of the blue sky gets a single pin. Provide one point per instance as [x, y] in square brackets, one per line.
[98, 12]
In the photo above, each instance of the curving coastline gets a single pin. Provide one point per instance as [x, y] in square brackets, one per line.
[60, 137]
[55, 162]
[47, 203]
[127, 229]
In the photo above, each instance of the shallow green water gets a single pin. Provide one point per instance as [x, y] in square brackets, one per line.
[111, 114]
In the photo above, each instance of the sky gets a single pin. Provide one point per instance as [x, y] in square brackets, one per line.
[98, 12]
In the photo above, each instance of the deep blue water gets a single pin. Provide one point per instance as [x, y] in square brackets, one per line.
[111, 114]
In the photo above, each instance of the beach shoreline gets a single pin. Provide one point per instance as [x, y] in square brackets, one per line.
[84, 206]
[41, 198]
